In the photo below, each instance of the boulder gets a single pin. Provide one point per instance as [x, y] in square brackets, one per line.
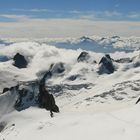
[20, 61]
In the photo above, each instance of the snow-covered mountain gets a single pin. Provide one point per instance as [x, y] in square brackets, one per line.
[96, 91]
[99, 44]
[92, 43]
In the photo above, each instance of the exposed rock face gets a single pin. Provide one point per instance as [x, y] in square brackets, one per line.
[124, 60]
[57, 68]
[3, 58]
[138, 100]
[2, 126]
[108, 56]
[83, 57]
[45, 99]
[126, 91]
[5, 90]
[136, 61]
[27, 95]
[33, 93]
[106, 65]
[23, 95]
[20, 61]
[73, 77]
[58, 90]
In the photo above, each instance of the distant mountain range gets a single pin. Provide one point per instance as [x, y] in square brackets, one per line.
[104, 45]
[96, 44]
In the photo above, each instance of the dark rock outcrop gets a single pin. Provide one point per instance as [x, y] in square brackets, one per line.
[138, 100]
[5, 90]
[58, 90]
[20, 61]
[27, 95]
[57, 68]
[73, 77]
[106, 65]
[136, 61]
[83, 57]
[108, 56]
[94, 62]
[3, 58]
[45, 99]
[2, 126]
[124, 60]
[33, 93]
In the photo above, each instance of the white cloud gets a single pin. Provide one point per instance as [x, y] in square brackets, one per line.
[33, 10]
[16, 17]
[94, 15]
[117, 5]
[75, 12]
[55, 28]
[97, 15]
[111, 13]
[134, 15]
[88, 17]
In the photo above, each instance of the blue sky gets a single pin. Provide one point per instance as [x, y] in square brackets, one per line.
[97, 9]
[72, 12]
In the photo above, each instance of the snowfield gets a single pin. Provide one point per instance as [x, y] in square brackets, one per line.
[94, 102]
[36, 124]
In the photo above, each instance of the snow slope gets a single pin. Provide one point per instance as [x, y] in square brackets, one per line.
[92, 105]
[36, 124]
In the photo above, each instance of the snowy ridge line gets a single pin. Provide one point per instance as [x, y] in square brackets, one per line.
[128, 90]
[60, 89]
[127, 82]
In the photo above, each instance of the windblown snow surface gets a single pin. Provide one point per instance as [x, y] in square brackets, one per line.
[92, 106]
